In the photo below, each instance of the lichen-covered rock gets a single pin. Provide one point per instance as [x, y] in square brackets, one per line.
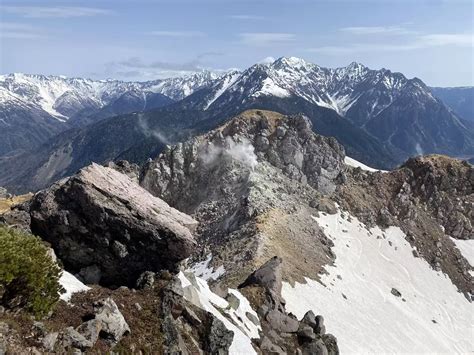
[111, 322]
[101, 218]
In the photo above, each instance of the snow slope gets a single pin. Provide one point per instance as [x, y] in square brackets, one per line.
[357, 164]
[430, 316]
[466, 247]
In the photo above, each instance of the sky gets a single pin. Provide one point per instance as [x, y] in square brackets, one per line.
[150, 39]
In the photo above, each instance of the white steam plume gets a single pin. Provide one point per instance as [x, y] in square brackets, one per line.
[151, 132]
[242, 151]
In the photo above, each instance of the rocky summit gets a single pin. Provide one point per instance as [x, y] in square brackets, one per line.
[251, 184]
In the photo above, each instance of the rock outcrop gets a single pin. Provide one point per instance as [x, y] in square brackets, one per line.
[252, 183]
[209, 334]
[282, 333]
[109, 230]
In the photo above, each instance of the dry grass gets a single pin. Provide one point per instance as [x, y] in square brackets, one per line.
[7, 203]
[296, 238]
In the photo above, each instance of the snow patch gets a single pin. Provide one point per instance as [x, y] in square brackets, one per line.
[244, 329]
[355, 297]
[71, 284]
[228, 82]
[269, 88]
[205, 272]
[357, 164]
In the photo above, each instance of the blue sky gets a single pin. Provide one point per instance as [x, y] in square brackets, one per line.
[148, 39]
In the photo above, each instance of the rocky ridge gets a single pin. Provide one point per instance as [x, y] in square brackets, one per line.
[430, 198]
[251, 184]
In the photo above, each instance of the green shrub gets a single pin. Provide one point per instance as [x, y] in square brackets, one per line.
[29, 278]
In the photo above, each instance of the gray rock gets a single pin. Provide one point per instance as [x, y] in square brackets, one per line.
[101, 217]
[127, 168]
[316, 347]
[112, 323]
[219, 338]
[146, 280]
[234, 302]
[310, 319]
[91, 330]
[327, 206]
[49, 341]
[267, 276]
[306, 333]
[320, 328]
[71, 338]
[331, 344]
[395, 292]
[18, 217]
[90, 274]
[254, 319]
[267, 347]
[282, 322]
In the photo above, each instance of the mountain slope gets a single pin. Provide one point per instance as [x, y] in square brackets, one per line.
[459, 99]
[382, 259]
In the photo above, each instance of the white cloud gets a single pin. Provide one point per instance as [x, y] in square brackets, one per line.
[266, 60]
[460, 40]
[418, 42]
[377, 30]
[177, 34]
[54, 12]
[247, 17]
[266, 38]
[13, 30]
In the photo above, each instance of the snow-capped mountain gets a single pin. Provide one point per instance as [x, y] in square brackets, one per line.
[338, 89]
[35, 107]
[380, 117]
[402, 113]
[64, 97]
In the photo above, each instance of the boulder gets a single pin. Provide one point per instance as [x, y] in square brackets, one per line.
[267, 276]
[316, 347]
[309, 319]
[111, 322]
[282, 322]
[320, 328]
[102, 218]
[71, 338]
[146, 280]
[219, 338]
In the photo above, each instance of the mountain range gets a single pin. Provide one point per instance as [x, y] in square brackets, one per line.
[57, 125]
[36, 107]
